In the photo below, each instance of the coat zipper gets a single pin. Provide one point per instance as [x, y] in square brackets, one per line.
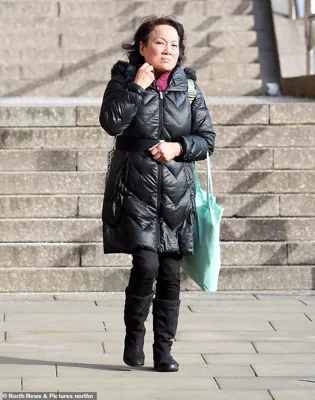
[158, 219]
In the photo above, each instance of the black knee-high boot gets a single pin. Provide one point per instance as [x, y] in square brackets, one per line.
[165, 321]
[135, 313]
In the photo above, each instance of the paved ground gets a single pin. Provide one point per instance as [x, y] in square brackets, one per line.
[230, 346]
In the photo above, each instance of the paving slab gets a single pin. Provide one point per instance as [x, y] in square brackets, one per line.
[45, 307]
[18, 297]
[155, 381]
[242, 336]
[61, 317]
[237, 317]
[293, 394]
[292, 347]
[266, 383]
[306, 325]
[10, 384]
[111, 297]
[294, 308]
[206, 326]
[265, 303]
[81, 359]
[26, 347]
[310, 301]
[289, 370]
[34, 371]
[226, 342]
[193, 347]
[186, 395]
[77, 326]
[192, 371]
[259, 358]
[48, 337]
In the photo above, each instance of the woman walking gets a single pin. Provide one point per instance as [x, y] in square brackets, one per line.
[148, 208]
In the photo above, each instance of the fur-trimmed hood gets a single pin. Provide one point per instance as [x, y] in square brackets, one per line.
[130, 71]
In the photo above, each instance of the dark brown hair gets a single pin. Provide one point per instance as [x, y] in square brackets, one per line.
[142, 35]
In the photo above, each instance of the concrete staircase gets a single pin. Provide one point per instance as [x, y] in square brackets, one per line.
[52, 168]
[53, 152]
[66, 48]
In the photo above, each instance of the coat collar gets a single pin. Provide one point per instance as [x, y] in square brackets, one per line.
[178, 79]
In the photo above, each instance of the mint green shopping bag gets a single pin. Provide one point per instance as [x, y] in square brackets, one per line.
[204, 265]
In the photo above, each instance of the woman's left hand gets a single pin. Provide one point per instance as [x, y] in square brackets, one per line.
[165, 151]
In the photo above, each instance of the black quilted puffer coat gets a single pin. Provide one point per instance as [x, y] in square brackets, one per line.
[147, 204]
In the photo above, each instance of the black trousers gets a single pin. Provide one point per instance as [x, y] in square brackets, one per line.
[148, 266]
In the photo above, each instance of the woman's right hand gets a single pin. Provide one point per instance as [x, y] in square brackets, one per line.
[145, 76]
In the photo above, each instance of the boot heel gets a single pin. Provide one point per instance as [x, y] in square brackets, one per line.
[171, 366]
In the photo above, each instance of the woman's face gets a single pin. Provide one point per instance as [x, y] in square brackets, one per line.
[162, 49]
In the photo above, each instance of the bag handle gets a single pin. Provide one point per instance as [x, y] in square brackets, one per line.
[209, 177]
[192, 93]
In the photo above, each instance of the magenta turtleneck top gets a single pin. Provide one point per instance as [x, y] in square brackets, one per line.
[161, 83]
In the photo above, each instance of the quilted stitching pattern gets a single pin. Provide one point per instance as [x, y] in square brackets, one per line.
[140, 210]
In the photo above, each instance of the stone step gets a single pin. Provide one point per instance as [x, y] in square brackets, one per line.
[42, 160]
[268, 229]
[98, 279]
[233, 182]
[28, 10]
[108, 9]
[54, 138]
[81, 57]
[202, 57]
[209, 22]
[194, 40]
[223, 111]
[51, 230]
[99, 72]
[90, 206]
[69, 40]
[89, 229]
[31, 71]
[240, 87]
[233, 39]
[178, 9]
[265, 136]
[212, 23]
[245, 137]
[53, 85]
[96, 160]
[46, 255]
[110, 55]
[29, 41]
[227, 111]
[47, 206]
